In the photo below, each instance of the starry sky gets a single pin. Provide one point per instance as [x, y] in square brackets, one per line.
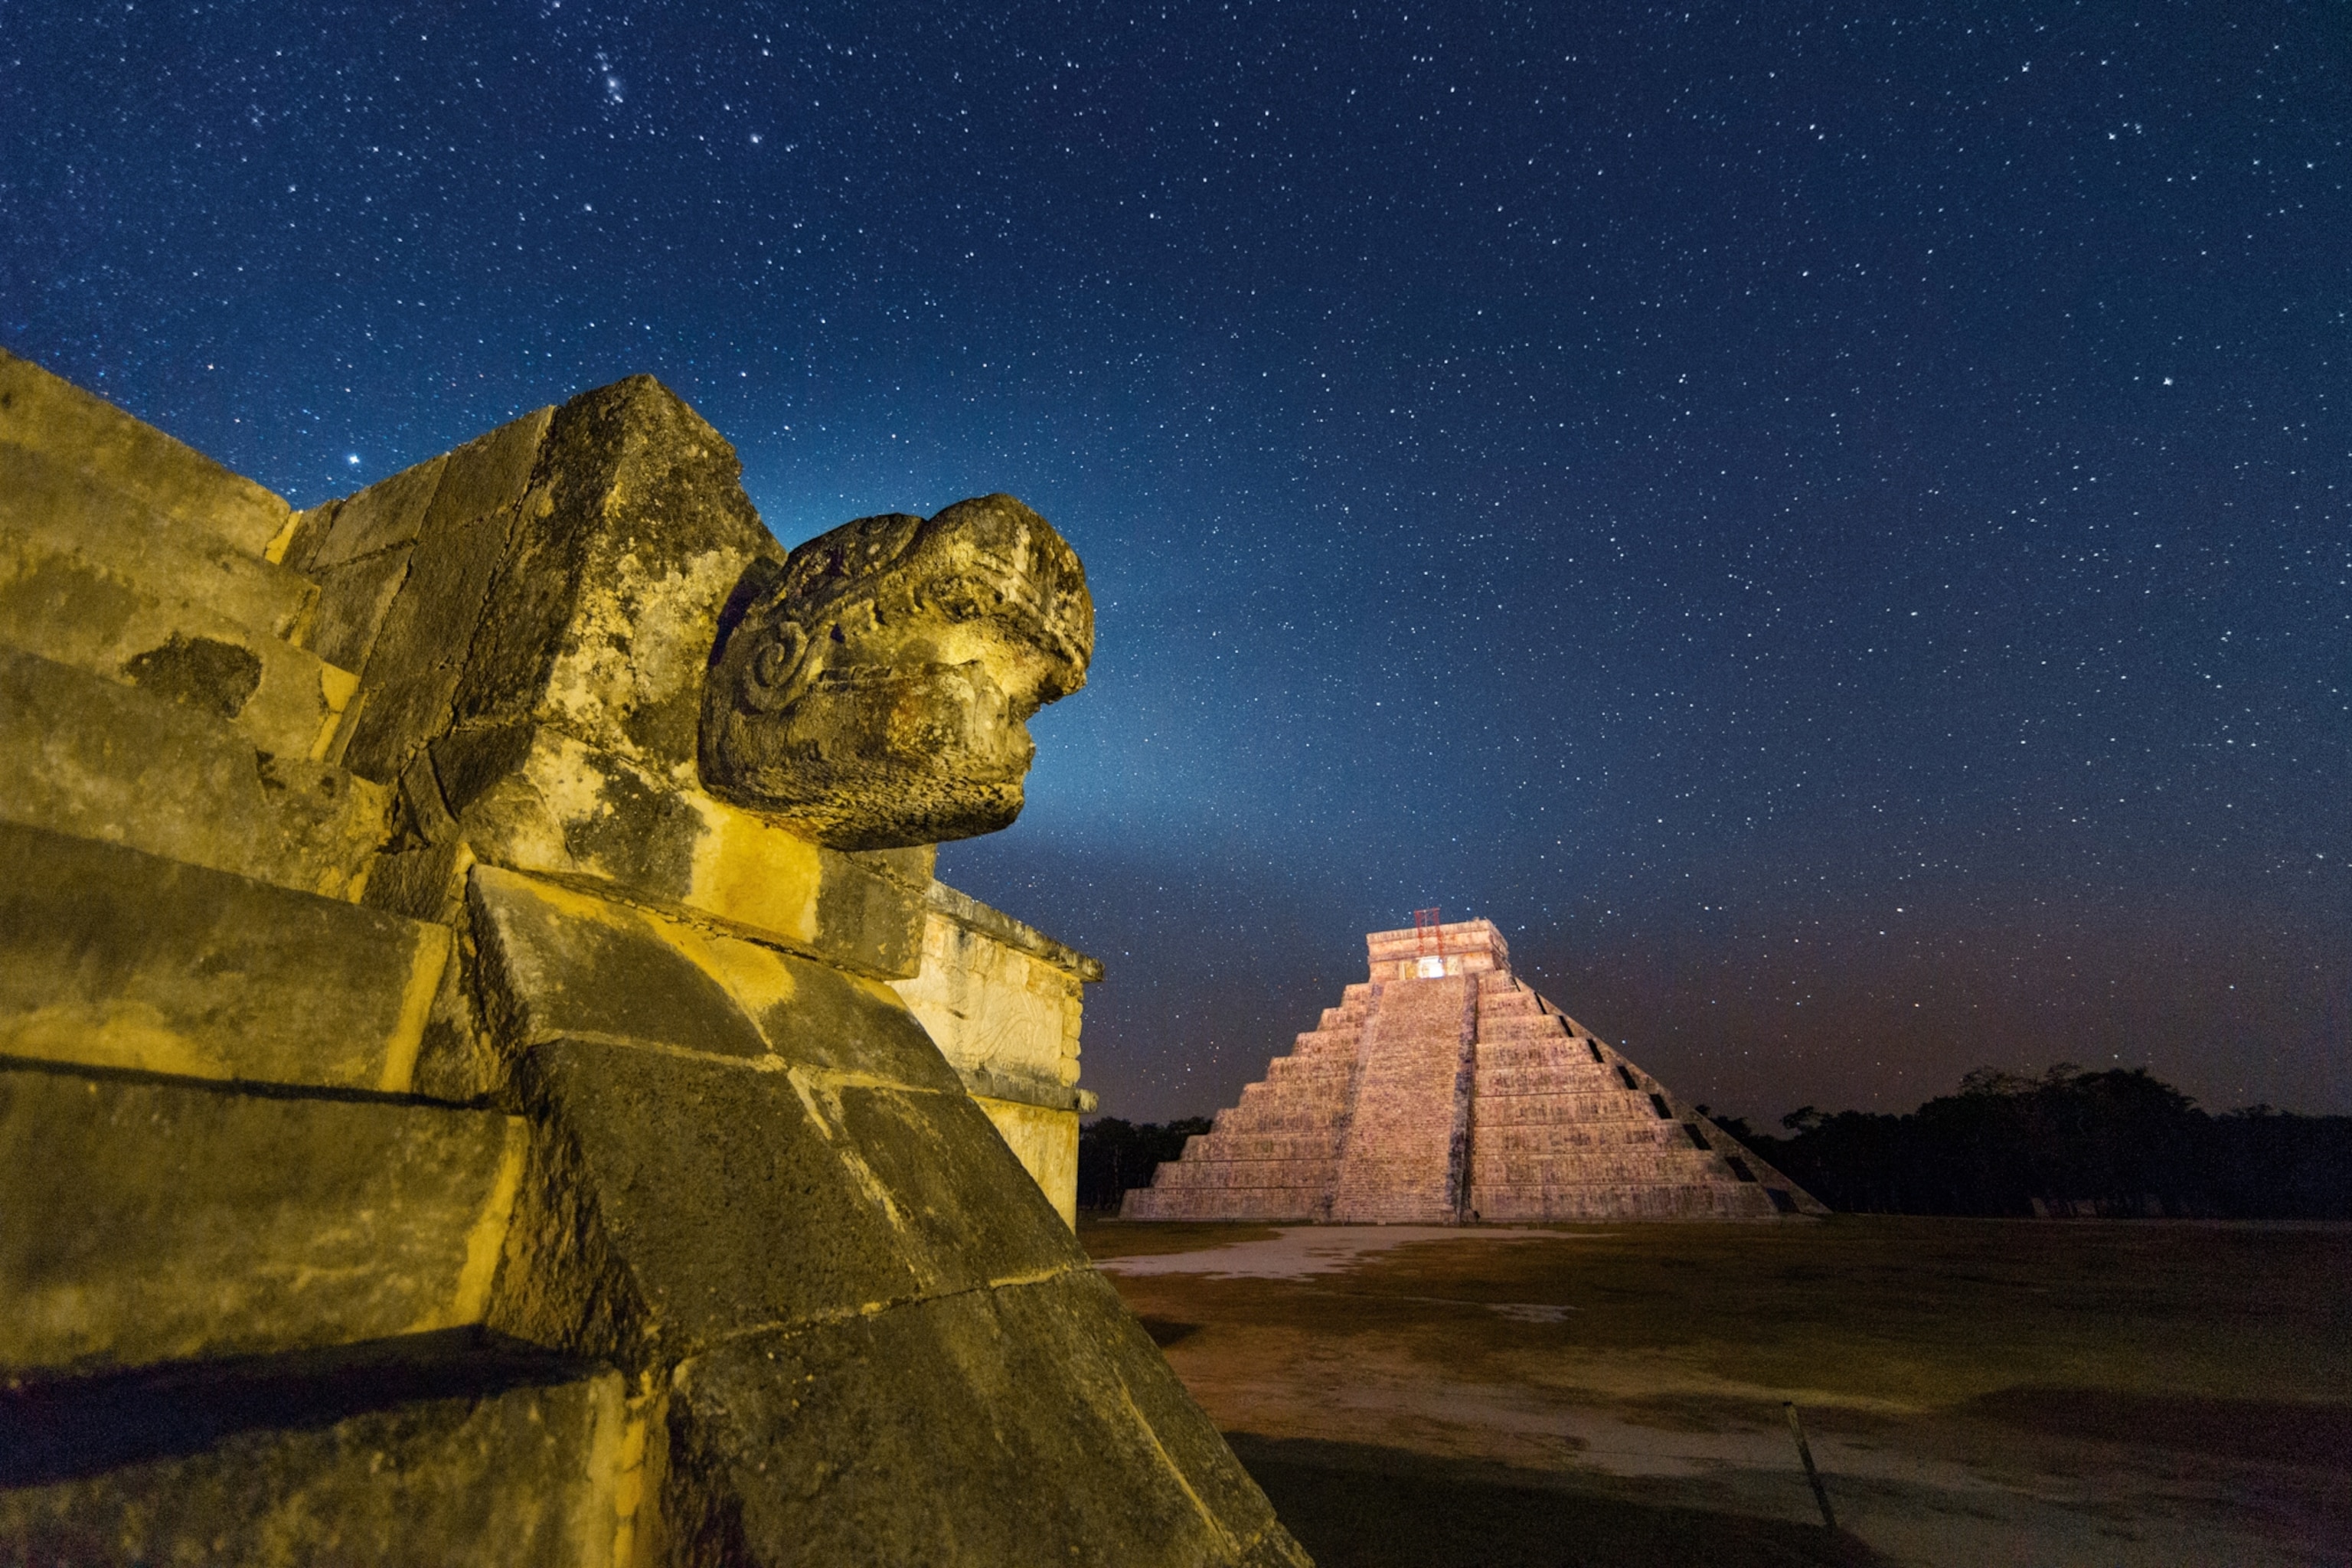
[1830, 524]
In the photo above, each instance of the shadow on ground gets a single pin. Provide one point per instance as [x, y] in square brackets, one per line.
[1356, 1506]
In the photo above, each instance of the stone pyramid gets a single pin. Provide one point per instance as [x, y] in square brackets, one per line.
[1445, 1090]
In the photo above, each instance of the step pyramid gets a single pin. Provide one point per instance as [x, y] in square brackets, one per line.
[1443, 1090]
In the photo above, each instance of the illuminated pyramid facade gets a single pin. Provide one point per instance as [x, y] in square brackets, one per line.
[1443, 1089]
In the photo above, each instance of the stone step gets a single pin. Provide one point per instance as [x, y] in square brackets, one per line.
[1416, 1203]
[111, 957]
[1533, 1027]
[1623, 1201]
[1264, 1146]
[1507, 1083]
[1520, 1109]
[1543, 1138]
[404, 1456]
[90, 757]
[181, 616]
[1305, 1090]
[1555, 1054]
[1273, 1205]
[1657, 1162]
[1309, 1069]
[1280, 1116]
[1509, 1001]
[1194, 1175]
[49, 416]
[203, 1221]
[1324, 1049]
[48, 504]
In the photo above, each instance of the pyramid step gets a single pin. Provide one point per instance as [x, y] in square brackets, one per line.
[1275, 1205]
[198, 1220]
[1264, 1146]
[111, 957]
[83, 755]
[1565, 1079]
[48, 505]
[1299, 1116]
[1220, 1174]
[184, 618]
[1310, 1069]
[1624, 1164]
[1496, 1108]
[491, 1457]
[1623, 1201]
[1533, 1028]
[1554, 1055]
[1569, 1137]
[49, 416]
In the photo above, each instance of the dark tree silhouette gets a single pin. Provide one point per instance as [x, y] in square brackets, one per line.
[2118, 1142]
[1115, 1154]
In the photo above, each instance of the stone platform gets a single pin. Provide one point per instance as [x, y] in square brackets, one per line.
[1443, 1089]
[487, 1073]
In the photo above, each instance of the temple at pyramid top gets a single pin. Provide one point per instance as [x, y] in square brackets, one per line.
[1443, 1089]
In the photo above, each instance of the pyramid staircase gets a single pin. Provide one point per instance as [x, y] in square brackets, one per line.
[297, 1266]
[1445, 1090]
[194, 1006]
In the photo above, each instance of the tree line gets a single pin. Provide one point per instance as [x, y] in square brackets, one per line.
[2117, 1142]
[2120, 1142]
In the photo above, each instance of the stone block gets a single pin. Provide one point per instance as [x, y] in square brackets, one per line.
[966, 1211]
[418, 655]
[636, 530]
[111, 957]
[48, 505]
[146, 619]
[386, 515]
[728, 1194]
[524, 1475]
[200, 1221]
[535, 799]
[49, 415]
[353, 599]
[1045, 1141]
[567, 964]
[792, 1446]
[90, 757]
[676, 1201]
[815, 1016]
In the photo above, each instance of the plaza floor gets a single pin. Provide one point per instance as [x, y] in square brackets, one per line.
[2064, 1392]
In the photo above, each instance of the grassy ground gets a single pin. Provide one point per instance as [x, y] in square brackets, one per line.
[1975, 1391]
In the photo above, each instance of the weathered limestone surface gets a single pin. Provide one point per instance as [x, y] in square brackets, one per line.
[156, 1221]
[496, 1132]
[113, 958]
[544, 1475]
[45, 416]
[1003, 1002]
[88, 756]
[1445, 1090]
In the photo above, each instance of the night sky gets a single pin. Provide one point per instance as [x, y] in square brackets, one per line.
[1830, 525]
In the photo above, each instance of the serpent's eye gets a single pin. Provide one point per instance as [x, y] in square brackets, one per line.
[774, 665]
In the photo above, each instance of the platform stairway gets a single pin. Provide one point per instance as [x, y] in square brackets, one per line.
[281, 1250]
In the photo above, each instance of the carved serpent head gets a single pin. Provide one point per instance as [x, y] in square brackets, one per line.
[875, 688]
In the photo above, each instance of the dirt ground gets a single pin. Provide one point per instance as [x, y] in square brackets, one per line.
[1974, 1392]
